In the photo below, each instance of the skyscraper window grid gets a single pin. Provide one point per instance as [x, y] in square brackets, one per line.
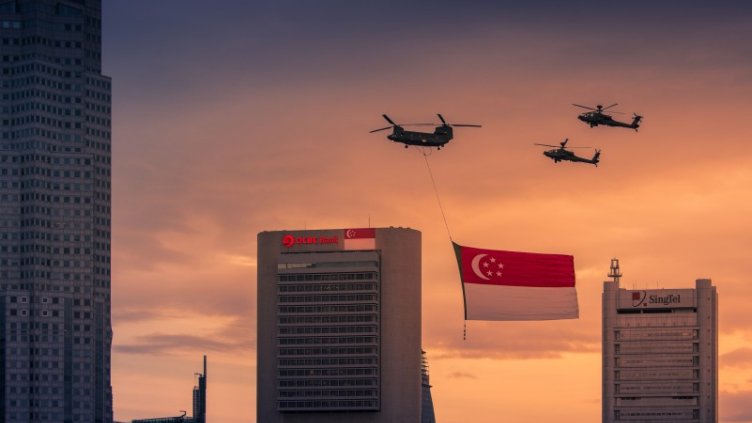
[54, 213]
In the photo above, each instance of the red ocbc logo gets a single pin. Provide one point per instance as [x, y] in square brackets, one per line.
[288, 241]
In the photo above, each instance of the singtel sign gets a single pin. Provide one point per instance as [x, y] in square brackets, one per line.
[683, 298]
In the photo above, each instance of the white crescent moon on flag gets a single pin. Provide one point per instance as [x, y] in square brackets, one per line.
[349, 234]
[476, 268]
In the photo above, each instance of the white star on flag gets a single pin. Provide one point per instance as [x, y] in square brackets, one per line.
[492, 267]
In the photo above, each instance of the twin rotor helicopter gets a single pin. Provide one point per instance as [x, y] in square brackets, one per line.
[443, 133]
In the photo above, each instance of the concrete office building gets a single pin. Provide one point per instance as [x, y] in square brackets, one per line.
[55, 332]
[339, 326]
[660, 353]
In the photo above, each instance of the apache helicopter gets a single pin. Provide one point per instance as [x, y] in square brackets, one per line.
[562, 153]
[440, 136]
[596, 117]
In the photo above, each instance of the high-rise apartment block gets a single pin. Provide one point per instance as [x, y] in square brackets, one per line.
[55, 331]
[660, 353]
[339, 326]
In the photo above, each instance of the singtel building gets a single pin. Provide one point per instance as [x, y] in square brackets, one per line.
[660, 354]
[339, 326]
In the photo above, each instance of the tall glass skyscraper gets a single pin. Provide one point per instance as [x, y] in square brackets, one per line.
[55, 331]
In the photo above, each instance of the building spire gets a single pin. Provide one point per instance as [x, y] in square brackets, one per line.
[615, 274]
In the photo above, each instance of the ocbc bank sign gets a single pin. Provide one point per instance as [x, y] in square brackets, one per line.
[290, 240]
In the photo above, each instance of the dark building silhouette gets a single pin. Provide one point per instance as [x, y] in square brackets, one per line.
[199, 405]
[55, 330]
[427, 414]
[199, 397]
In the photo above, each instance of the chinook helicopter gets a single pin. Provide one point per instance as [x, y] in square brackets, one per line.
[562, 153]
[596, 117]
[438, 138]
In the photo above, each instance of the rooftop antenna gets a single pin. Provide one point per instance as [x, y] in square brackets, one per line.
[615, 274]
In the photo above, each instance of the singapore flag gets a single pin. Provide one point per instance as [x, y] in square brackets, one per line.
[510, 285]
[360, 239]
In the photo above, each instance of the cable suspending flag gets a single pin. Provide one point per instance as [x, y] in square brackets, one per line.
[511, 285]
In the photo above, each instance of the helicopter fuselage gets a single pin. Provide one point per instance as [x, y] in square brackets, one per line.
[595, 118]
[560, 154]
[438, 138]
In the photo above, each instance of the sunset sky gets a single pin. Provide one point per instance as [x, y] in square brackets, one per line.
[232, 117]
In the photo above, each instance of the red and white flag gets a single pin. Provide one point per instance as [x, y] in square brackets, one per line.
[510, 285]
[360, 239]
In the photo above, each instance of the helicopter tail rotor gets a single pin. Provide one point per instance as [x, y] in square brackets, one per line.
[596, 157]
[636, 121]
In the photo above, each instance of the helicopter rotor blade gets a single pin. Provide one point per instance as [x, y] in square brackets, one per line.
[547, 145]
[381, 129]
[615, 104]
[441, 118]
[466, 125]
[584, 107]
[389, 120]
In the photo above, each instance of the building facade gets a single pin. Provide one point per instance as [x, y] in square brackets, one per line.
[55, 331]
[339, 326]
[660, 353]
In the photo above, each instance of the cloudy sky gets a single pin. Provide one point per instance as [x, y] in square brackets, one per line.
[232, 117]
